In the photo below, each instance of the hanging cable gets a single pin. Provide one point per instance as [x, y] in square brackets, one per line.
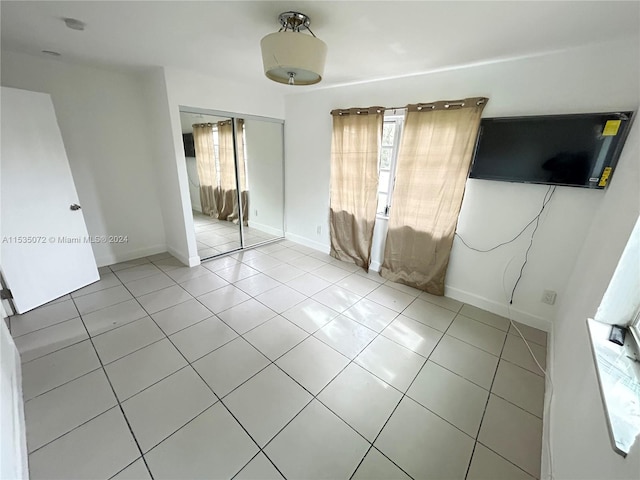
[526, 255]
[547, 199]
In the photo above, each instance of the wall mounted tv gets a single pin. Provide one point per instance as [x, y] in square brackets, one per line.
[578, 150]
[189, 145]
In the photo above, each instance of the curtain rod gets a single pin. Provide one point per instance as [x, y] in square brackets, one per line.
[445, 104]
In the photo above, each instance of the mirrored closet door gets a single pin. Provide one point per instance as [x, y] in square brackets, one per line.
[235, 166]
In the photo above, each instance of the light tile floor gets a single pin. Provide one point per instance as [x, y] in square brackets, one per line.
[275, 362]
[215, 237]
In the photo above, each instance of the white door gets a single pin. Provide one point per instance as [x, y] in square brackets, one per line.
[46, 252]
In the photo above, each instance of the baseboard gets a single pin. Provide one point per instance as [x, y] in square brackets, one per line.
[130, 255]
[375, 266]
[189, 261]
[321, 247]
[20, 425]
[498, 308]
[547, 449]
[266, 228]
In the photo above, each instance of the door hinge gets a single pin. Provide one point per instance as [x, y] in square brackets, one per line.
[5, 294]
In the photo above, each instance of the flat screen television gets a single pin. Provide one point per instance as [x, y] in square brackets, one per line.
[578, 150]
[189, 146]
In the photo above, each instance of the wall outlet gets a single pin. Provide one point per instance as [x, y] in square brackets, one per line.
[319, 230]
[549, 297]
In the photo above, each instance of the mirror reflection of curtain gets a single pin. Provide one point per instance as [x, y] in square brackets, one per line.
[227, 196]
[431, 173]
[206, 166]
[355, 149]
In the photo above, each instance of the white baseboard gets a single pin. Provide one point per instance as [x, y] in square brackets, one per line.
[498, 308]
[547, 449]
[321, 247]
[189, 261]
[266, 228]
[123, 256]
[375, 266]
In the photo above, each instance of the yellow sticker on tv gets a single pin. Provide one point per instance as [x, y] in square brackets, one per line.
[611, 128]
[605, 177]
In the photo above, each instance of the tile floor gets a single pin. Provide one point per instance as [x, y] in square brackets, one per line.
[215, 236]
[276, 362]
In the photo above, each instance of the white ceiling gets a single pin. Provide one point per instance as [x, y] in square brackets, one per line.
[366, 40]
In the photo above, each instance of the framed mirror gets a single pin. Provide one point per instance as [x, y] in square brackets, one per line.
[235, 167]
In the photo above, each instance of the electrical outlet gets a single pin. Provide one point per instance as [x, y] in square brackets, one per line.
[319, 230]
[549, 297]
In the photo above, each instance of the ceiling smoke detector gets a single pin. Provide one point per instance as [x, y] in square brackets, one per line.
[292, 57]
[74, 23]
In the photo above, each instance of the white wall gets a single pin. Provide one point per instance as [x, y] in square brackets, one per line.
[13, 438]
[265, 154]
[103, 120]
[594, 78]
[13, 445]
[579, 436]
[190, 89]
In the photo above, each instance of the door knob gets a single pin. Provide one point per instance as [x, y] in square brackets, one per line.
[75, 206]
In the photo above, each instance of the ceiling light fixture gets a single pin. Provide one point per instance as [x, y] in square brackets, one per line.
[290, 56]
[74, 23]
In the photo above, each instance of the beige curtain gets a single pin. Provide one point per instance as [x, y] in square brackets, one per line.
[227, 195]
[355, 150]
[206, 166]
[432, 167]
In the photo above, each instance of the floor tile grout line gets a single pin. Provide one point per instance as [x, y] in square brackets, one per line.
[329, 382]
[58, 349]
[127, 466]
[115, 405]
[307, 335]
[215, 394]
[351, 361]
[404, 394]
[333, 378]
[118, 401]
[62, 384]
[40, 329]
[486, 405]
[100, 291]
[277, 366]
[505, 459]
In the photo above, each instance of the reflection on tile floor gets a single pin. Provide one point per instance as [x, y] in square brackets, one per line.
[215, 236]
[275, 362]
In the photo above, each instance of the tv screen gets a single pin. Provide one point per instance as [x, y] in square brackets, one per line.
[574, 150]
[189, 146]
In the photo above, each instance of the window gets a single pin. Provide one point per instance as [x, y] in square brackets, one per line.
[216, 150]
[391, 132]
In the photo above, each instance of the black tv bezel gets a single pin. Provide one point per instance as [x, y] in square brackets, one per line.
[187, 143]
[630, 114]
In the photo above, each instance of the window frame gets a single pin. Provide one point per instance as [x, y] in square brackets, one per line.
[398, 120]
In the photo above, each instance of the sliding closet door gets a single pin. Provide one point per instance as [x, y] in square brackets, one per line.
[235, 166]
[263, 158]
[211, 168]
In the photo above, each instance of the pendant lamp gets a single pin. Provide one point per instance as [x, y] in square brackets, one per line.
[290, 56]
